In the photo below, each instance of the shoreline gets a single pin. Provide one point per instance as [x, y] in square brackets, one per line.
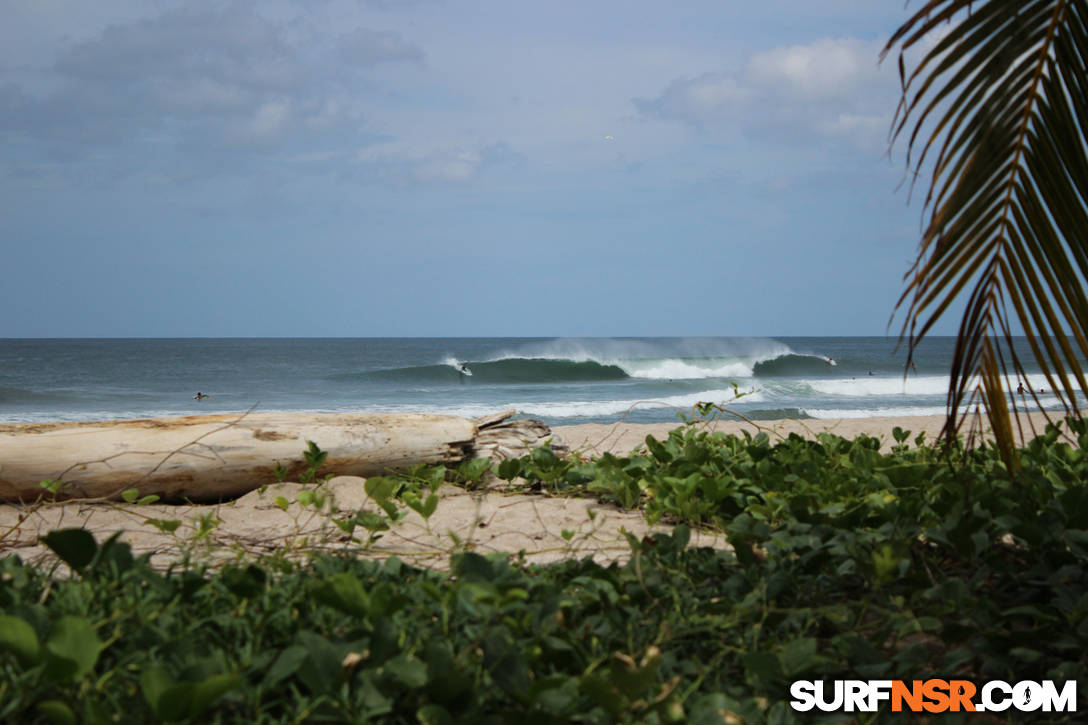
[622, 437]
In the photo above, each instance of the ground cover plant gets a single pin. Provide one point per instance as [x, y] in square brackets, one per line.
[849, 563]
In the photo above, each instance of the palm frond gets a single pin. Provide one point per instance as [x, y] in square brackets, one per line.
[1001, 99]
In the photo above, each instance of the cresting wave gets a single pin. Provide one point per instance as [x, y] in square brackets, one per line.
[546, 369]
[792, 365]
[509, 370]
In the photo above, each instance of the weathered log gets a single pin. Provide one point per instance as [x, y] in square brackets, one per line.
[498, 438]
[213, 457]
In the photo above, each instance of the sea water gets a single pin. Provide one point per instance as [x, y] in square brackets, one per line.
[559, 381]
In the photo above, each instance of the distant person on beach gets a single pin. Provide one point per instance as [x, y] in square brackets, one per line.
[200, 396]
[1020, 388]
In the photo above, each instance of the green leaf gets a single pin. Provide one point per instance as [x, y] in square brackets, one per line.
[286, 664]
[314, 455]
[472, 471]
[207, 691]
[763, 668]
[544, 456]
[798, 656]
[114, 552]
[372, 521]
[506, 663]
[75, 547]
[472, 567]
[681, 536]
[324, 669]
[658, 450]
[407, 671]
[282, 503]
[598, 689]
[153, 683]
[19, 638]
[147, 500]
[51, 486]
[510, 469]
[56, 712]
[175, 701]
[130, 495]
[167, 526]
[246, 583]
[344, 592]
[72, 649]
[380, 488]
[412, 501]
[429, 506]
[434, 715]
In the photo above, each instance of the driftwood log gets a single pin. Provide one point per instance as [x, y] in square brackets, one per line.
[215, 457]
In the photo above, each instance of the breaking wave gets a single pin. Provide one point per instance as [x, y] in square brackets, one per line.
[792, 365]
[569, 364]
[510, 370]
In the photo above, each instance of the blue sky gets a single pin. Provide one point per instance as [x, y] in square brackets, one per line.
[421, 167]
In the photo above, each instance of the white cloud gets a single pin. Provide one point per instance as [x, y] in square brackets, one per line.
[850, 123]
[830, 88]
[270, 118]
[214, 76]
[698, 100]
[826, 69]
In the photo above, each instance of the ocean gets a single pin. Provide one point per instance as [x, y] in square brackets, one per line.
[558, 380]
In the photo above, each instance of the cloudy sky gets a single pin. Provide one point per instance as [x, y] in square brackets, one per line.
[450, 167]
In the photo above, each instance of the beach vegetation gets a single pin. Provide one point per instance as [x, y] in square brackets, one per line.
[996, 114]
[313, 457]
[471, 473]
[849, 559]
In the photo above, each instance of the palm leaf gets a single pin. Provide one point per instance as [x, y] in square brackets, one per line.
[1001, 102]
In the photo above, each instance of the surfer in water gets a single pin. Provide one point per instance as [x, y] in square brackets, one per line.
[464, 369]
[200, 396]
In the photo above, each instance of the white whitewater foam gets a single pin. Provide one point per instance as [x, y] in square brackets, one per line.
[878, 386]
[456, 365]
[576, 409]
[573, 408]
[65, 416]
[679, 369]
[824, 413]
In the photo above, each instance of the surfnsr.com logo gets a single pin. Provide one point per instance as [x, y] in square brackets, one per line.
[933, 696]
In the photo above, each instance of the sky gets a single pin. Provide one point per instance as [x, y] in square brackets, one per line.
[451, 168]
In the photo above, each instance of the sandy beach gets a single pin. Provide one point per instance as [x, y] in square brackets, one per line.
[594, 439]
[540, 527]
